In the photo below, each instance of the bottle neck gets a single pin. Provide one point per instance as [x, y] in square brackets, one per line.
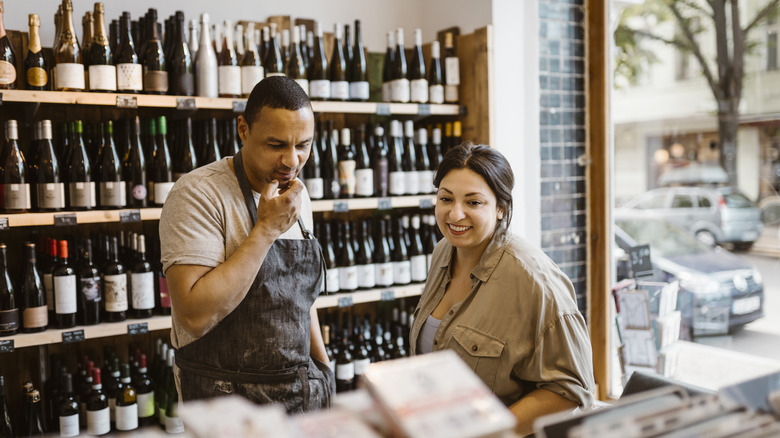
[2, 25]
[205, 38]
[125, 33]
[100, 29]
[152, 28]
[35, 36]
[68, 30]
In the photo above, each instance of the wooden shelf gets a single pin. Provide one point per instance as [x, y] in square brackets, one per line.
[108, 329]
[343, 205]
[236, 105]
[81, 217]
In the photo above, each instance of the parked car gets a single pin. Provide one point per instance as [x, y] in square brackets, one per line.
[719, 291]
[714, 215]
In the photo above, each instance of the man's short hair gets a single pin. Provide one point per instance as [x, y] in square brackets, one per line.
[278, 92]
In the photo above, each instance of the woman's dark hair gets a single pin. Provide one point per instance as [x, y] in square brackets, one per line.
[488, 163]
[277, 92]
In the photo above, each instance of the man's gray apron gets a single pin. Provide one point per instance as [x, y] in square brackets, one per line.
[261, 349]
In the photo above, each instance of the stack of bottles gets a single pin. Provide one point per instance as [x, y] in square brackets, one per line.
[135, 56]
[83, 282]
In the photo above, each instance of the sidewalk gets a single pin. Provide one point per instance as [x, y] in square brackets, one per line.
[768, 244]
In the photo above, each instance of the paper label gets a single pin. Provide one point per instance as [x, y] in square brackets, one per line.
[333, 280]
[304, 83]
[229, 79]
[145, 404]
[384, 274]
[69, 425]
[250, 76]
[425, 181]
[16, 196]
[412, 183]
[359, 90]
[364, 182]
[112, 194]
[319, 89]
[102, 77]
[129, 77]
[387, 91]
[347, 176]
[7, 73]
[452, 69]
[348, 278]
[142, 290]
[400, 90]
[69, 76]
[402, 272]
[436, 93]
[82, 194]
[115, 289]
[345, 371]
[316, 188]
[99, 422]
[419, 269]
[126, 417]
[156, 81]
[419, 90]
[366, 276]
[36, 77]
[51, 195]
[397, 183]
[35, 317]
[339, 90]
[361, 366]
[65, 294]
[161, 190]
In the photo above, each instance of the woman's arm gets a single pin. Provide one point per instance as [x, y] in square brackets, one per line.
[535, 404]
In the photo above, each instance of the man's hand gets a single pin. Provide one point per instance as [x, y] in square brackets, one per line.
[278, 211]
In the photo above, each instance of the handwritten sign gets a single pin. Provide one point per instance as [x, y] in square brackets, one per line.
[641, 264]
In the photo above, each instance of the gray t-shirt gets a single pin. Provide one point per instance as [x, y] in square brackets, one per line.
[205, 219]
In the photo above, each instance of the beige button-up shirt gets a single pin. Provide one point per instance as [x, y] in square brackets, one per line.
[519, 328]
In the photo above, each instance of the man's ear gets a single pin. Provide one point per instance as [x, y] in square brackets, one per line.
[243, 129]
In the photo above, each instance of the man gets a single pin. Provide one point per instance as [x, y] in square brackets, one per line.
[242, 269]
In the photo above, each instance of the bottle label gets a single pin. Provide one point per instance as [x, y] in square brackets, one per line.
[229, 77]
[126, 417]
[156, 81]
[65, 294]
[319, 89]
[48, 284]
[35, 317]
[165, 297]
[358, 90]
[82, 194]
[139, 192]
[333, 280]
[174, 425]
[381, 169]
[364, 182]
[102, 77]
[412, 183]
[185, 84]
[7, 73]
[69, 76]
[451, 93]
[90, 289]
[69, 425]
[115, 288]
[397, 183]
[419, 270]
[348, 278]
[269, 74]
[425, 181]
[452, 69]
[400, 90]
[339, 90]
[345, 371]
[98, 422]
[304, 83]
[316, 188]
[161, 190]
[419, 90]
[250, 76]
[366, 276]
[145, 404]
[16, 196]
[9, 320]
[361, 366]
[36, 77]
[51, 195]
[402, 272]
[129, 77]
[436, 93]
[384, 274]
[347, 176]
[142, 290]
[112, 194]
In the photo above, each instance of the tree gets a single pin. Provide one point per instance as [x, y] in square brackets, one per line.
[724, 73]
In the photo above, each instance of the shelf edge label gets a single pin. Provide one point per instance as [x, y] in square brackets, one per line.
[346, 301]
[73, 336]
[383, 109]
[4, 223]
[139, 328]
[126, 102]
[239, 106]
[426, 203]
[64, 220]
[130, 216]
[424, 109]
[384, 204]
[340, 207]
[387, 295]
[186, 104]
[7, 346]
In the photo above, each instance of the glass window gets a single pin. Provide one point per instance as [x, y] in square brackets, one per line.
[652, 202]
[737, 200]
[682, 201]
[771, 51]
[704, 202]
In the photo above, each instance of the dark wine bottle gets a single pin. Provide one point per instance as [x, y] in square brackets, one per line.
[186, 160]
[161, 171]
[418, 79]
[65, 301]
[402, 266]
[155, 65]
[98, 413]
[358, 69]
[417, 254]
[409, 160]
[9, 311]
[396, 174]
[345, 366]
[400, 81]
[273, 61]
[457, 138]
[347, 165]
[319, 84]
[312, 172]
[347, 47]
[134, 170]
[144, 388]
[48, 278]
[48, 188]
[7, 57]
[339, 86]
[295, 67]
[436, 150]
[141, 284]
[228, 70]
[451, 70]
[361, 358]
[173, 423]
[265, 43]
[364, 174]
[381, 164]
[231, 145]
[81, 187]
[284, 49]
[211, 151]
[435, 76]
[111, 184]
[424, 169]
[88, 26]
[181, 71]
[387, 68]
[33, 418]
[251, 64]
[100, 56]
[348, 270]
[90, 297]
[115, 286]
[331, 264]
[36, 67]
[366, 270]
[16, 185]
[129, 72]
[126, 413]
[67, 407]
[328, 349]
[35, 316]
[383, 257]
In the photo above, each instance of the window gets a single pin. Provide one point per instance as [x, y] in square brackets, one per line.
[704, 202]
[653, 202]
[771, 50]
[682, 201]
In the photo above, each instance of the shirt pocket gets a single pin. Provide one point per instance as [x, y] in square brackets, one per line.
[480, 351]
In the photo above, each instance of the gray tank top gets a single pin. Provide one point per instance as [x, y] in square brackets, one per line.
[427, 332]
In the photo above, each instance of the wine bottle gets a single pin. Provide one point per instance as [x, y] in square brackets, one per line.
[273, 61]
[7, 57]
[129, 72]
[424, 169]
[98, 413]
[400, 82]
[229, 71]
[48, 278]
[88, 26]
[16, 185]
[9, 311]
[345, 366]
[67, 407]
[457, 138]
[358, 69]
[339, 86]
[302, 50]
[387, 68]
[111, 185]
[134, 170]
[115, 285]
[312, 172]
[251, 64]
[211, 151]
[399, 345]
[155, 65]
[206, 80]
[181, 73]
[417, 255]
[396, 176]
[173, 423]
[238, 42]
[348, 271]
[381, 163]
[84, 387]
[112, 383]
[295, 68]
[328, 349]
[332, 161]
[348, 54]
[160, 375]
[33, 421]
[319, 84]
[284, 50]
[81, 187]
[141, 284]
[402, 266]
[364, 174]
[451, 70]
[417, 76]
[265, 43]
[331, 265]
[187, 160]
[361, 358]
[113, 35]
[435, 76]
[161, 173]
[36, 67]
[364, 259]
[35, 317]
[194, 38]
[410, 160]
[102, 71]
[64, 280]
[90, 296]
[144, 388]
[347, 165]
[126, 413]
[48, 189]
[383, 257]
[436, 150]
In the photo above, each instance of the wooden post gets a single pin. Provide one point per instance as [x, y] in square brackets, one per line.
[475, 53]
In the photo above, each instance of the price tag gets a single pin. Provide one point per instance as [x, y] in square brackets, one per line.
[140, 328]
[3, 223]
[130, 216]
[385, 204]
[463, 110]
[346, 301]
[64, 220]
[72, 336]
[387, 295]
[7, 346]
[639, 257]
[239, 106]
[426, 203]
[383, 109]
[185, 103]
[126, 102]
[424, 109]
[340, 207]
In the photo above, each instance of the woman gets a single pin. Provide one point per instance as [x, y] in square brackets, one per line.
[498, 301]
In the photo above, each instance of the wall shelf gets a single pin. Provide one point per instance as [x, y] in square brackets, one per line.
[343, 205]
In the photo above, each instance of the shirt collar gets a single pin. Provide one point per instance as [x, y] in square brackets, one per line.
[490, 258]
